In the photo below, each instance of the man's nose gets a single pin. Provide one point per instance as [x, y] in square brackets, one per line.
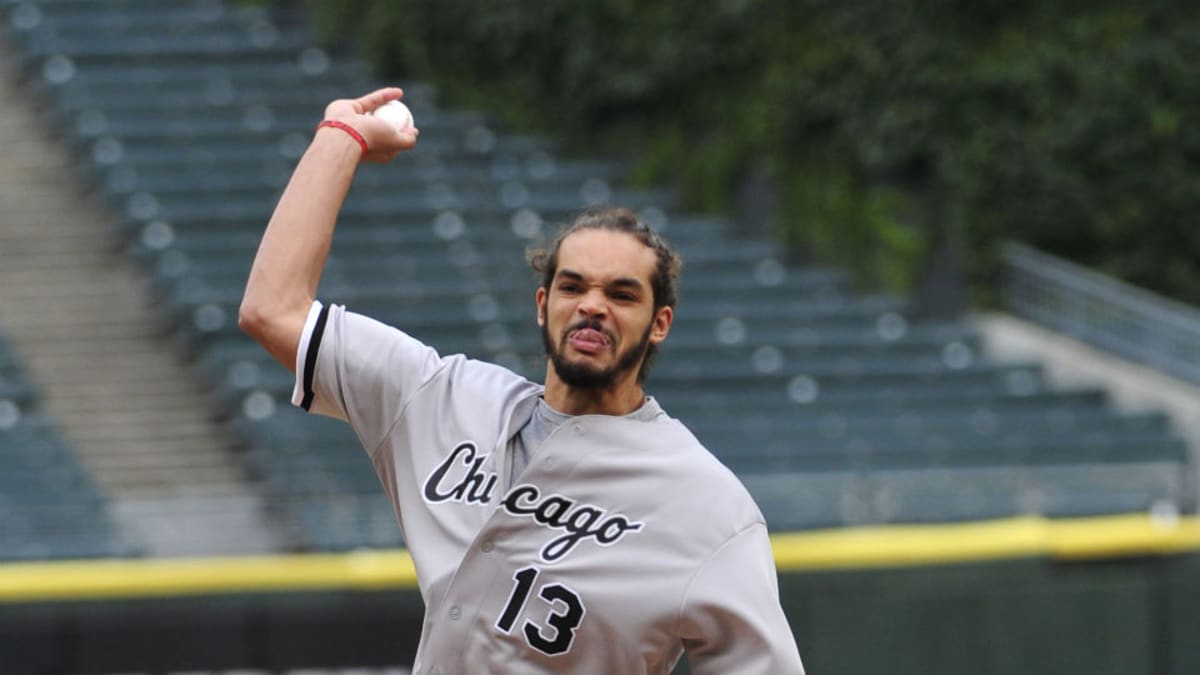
[592, 303]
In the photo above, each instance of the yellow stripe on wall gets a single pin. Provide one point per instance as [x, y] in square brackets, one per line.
[139, 578]
[904, 545]
[1130, 535]
[1062, 539]
[847, 548]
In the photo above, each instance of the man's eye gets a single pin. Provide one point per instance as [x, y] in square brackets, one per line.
[568, 288]
[627, 297]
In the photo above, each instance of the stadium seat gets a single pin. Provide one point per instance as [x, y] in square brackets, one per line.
[49, 505]
[835, 406]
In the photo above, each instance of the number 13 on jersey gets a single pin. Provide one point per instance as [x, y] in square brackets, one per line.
[565, 613]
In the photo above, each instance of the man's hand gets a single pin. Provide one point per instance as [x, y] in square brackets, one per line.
[287, 269]
[384, 141]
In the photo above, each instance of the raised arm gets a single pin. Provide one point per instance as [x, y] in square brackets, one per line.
[287, 268]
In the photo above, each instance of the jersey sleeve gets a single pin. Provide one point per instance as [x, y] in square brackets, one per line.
[732, 621]
[360, 370]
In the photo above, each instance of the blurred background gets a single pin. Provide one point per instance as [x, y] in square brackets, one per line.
[938, 310]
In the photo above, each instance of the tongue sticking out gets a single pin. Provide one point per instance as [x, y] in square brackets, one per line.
[588, 340]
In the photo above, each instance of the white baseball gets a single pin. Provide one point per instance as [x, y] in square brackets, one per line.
[395, 113]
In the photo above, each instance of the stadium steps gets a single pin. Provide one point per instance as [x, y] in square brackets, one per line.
[77, 308]
[187, 140]
[1132, 387]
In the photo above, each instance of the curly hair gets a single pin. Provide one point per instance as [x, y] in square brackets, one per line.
[664, 281]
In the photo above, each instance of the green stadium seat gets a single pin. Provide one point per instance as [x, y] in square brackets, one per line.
[836, 407]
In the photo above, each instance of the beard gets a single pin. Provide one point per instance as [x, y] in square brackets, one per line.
[583, 376]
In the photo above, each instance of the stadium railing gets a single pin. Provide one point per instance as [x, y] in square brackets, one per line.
[1103, 311]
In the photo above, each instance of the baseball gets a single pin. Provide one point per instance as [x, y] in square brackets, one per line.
[395, 113]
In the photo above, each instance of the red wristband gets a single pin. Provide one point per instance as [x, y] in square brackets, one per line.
[362, 142]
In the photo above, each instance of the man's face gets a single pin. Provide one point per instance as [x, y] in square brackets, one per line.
[598, 317]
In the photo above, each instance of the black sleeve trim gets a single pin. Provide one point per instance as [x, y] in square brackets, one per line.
[310, 358]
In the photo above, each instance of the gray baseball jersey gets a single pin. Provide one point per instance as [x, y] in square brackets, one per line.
[620, 545]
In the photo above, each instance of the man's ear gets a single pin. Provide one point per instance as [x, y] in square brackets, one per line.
[540, 298]
[661, 324]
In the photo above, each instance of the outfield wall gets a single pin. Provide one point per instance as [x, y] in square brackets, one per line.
[1112, 595]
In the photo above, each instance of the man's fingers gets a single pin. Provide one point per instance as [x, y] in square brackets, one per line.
[383, 140]
[348, 107]
[373, 100]
[388, 146]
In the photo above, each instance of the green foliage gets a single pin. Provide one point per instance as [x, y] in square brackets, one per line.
[887, 127]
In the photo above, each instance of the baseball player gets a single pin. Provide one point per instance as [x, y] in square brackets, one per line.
[570, 527]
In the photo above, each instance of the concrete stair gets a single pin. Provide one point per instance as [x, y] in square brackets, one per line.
[82, 315]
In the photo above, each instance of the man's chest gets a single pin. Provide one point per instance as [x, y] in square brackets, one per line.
[580, 538]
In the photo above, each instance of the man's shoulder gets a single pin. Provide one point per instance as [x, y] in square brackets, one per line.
[473, 374]
[466, 388]
[709, 470]
[713, 490]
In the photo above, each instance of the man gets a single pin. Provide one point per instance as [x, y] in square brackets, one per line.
[567, 528]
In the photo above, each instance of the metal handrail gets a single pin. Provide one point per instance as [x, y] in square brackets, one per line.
[1102, 311]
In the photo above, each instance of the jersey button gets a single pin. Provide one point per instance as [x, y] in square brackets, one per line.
[577, 428]
[487, 546]
[455, 613]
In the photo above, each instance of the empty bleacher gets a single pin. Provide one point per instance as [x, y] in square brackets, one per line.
[835, 407]
[49, 505]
